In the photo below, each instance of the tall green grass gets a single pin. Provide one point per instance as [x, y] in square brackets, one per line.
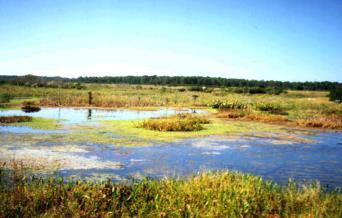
[217, 194]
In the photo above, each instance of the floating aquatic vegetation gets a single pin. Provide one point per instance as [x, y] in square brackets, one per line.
[43, 159]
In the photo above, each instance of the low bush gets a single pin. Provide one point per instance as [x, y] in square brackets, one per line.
[234, 105]
[29, 107]
[5, 97]
[271, 108]
[15, 119]
[179, 122]
[336, 95]
[197, 89]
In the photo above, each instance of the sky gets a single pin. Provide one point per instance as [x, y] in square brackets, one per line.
[252, 39]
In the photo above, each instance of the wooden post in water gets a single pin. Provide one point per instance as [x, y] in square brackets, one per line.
[59, 92]
[90, 98]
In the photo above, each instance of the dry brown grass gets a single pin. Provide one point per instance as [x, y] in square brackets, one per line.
[230, 114]
[333, 122]
[267, 118]
[250, 116]
[15, 119]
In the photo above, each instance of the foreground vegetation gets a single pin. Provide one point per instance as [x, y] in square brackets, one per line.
[220, 194]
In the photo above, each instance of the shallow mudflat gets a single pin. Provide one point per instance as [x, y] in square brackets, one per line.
[86, 145]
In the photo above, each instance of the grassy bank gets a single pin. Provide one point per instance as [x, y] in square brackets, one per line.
[220, 194]
[301, 108]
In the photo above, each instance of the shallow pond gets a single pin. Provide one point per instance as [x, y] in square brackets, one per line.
[316, 158]
[268, 158]
[79, 115]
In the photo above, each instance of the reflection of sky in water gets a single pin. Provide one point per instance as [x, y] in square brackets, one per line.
[78, 115]
[26, 129]
[303, 162]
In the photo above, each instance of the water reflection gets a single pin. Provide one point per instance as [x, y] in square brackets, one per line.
[260, 156]
[89, 114]
[79, 115]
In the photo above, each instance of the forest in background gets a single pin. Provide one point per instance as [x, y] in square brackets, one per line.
[31, 80]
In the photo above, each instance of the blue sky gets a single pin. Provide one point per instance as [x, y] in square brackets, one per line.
[261, 39]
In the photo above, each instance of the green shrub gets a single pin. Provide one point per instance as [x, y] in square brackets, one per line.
[30, 106]
[5, 97]
[196, 89]
[275, 91]
[223, 105]
[271, 108]
[336, 95]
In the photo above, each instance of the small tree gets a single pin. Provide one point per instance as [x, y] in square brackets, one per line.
[336, 95]
[194, 98]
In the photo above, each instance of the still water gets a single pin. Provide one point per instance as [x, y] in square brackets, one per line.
[276, 160]
[79, 115]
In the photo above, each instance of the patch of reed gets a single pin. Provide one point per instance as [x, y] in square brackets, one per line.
[213, 194]
[332, 122]
[272, 108]
[179, 122]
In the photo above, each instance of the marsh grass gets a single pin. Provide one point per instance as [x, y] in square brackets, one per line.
[334, 122]
[178, 122]
[15, 119]
[273, 108]
[208, 194]
[253, 116]
[291, 105]
[5, 97]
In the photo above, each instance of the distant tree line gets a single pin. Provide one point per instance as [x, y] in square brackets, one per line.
[209, 81]
[172, 81]
[39, 81]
